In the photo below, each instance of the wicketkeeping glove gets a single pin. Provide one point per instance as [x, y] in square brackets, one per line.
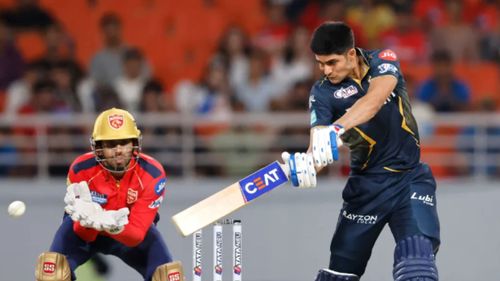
[300, 169]
[77, 191]
[325, 143]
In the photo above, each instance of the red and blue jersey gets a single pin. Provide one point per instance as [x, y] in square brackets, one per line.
[141, 189]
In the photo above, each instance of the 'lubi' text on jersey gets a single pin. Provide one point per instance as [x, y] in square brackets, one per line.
[389, 141]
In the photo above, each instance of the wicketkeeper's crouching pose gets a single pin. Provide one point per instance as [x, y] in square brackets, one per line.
[112, 202]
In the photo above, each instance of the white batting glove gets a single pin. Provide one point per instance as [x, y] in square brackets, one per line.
[77, 191]
[300, 169]
[325, 143]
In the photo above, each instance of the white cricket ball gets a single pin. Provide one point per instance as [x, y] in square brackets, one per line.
[16, 209]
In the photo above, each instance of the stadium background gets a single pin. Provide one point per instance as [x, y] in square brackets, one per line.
[220, 88]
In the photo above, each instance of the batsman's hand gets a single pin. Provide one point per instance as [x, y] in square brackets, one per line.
[325, 144]
[300, 169]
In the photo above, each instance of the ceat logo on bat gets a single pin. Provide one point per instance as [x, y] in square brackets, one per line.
[174, 276]
[388, 54]
[49, 267]
[116, 121]
[262, 181]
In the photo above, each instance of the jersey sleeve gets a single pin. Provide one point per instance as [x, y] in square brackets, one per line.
[142, 213]
[385, 62]
[86, 234]
[321, 113]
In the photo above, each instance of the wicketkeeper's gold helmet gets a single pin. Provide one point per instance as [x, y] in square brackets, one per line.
[115, 124]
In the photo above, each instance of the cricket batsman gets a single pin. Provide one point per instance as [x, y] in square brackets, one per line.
[112, 202]
[362, 103]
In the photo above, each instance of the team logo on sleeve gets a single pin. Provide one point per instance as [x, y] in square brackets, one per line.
[344, 93]
[155, 204]
[116, 121]
[160, 186]
[388, 54]
[387, 67]
[132, 195]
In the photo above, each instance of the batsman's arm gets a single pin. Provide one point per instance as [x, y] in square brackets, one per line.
[366, 107]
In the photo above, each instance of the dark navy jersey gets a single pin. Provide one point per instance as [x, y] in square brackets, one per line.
[387, 142]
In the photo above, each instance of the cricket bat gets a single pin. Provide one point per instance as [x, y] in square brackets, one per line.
[230, 199]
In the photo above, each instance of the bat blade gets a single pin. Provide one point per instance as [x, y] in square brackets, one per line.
[229, 199]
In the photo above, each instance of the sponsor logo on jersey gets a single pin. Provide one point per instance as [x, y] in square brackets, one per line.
[262, 181]
[425, 199]
[98, 198]
[174, 276]
[132, 195]
[116, 121]
[344, 93]
[49, 267]
[155, 204]
[386, 67]
[361, 219]
[388, 54]
[160, 186]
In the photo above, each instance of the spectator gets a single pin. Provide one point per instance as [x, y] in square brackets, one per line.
[26, 15]
[443, 90]
[129, 85]
[274, 34]
[44, 99]
[163, 137]
[406, 38]
[62, 74]
[374, 17]
[295, 63]
[456, 36]
[296, 99]
[488, 22]
[319, 11]
[59, 46]
[11, 61]
[20, 91]
[107, 64]
[105, 97]
[154, 99]
[257, 90]
[210, 98]
[233, 51]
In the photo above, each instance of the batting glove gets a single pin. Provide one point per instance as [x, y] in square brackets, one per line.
[300, 169]
[325, 143]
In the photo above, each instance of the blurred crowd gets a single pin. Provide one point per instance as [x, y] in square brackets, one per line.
[442, 45]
